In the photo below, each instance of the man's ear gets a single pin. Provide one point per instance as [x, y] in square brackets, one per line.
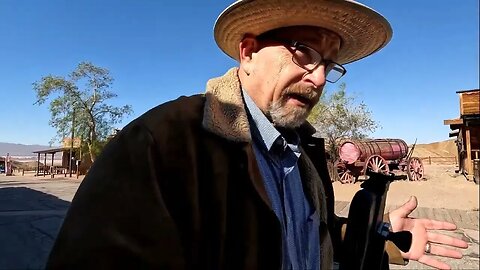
[247, 48]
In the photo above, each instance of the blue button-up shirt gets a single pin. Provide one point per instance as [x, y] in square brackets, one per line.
[277, 159]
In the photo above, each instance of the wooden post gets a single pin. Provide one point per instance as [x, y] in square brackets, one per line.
[44, 164]
[78, 168]
[38, 165]
[71, 144]
[429, 160]
[52, 169]
[476, 173]
[469, 151]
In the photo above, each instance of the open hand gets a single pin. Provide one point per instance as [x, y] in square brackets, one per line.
[421, 236]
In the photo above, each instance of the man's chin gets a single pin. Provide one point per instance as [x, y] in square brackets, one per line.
[289, 120]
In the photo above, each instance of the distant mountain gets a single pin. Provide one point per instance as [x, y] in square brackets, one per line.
[20, 150]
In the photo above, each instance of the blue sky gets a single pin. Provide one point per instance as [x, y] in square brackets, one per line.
[159, 50]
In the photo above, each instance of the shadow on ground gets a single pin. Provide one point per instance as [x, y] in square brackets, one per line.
[29, 224]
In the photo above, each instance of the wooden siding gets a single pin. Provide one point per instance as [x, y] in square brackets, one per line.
[470, 103]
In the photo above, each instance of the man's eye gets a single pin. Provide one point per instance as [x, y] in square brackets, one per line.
[303, 55]
[329, 67]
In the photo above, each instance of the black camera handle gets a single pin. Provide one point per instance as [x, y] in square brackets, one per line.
[367, 233]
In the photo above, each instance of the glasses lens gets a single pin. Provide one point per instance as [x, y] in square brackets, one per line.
[334, 72]
[306, 57]
[309, 59]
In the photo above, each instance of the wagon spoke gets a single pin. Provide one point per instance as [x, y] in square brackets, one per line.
[380, 164]
[413, 174]
[344, 174]
[376, 163]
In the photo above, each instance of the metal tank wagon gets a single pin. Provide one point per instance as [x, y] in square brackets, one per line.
[356, 157]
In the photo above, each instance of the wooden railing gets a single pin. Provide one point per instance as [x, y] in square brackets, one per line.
[440, 160]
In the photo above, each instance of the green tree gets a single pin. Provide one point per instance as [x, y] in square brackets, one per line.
[338, 116]
[81, 96]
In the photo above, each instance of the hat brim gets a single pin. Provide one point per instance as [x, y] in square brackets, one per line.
[363, 31]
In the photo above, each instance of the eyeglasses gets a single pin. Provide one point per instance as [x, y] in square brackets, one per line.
[309, 59]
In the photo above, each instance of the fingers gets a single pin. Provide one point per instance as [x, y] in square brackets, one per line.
[440, 251]
[433, 263]
[431, 224]
[446, 240]
[445, 252]
[406, 208]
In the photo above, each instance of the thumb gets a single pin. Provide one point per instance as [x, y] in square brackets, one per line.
[406, 208]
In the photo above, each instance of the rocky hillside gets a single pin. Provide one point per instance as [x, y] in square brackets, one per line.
[444, 152]
[437, 149]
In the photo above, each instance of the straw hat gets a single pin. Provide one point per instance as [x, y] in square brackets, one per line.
[363, 30]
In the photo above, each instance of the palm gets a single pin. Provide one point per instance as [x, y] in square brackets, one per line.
[421, 235]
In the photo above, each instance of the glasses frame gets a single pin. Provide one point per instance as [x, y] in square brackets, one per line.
[293, 46]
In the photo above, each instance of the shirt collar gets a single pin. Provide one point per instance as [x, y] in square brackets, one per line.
[263, 130]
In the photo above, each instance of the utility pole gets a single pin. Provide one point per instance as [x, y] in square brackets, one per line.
[71, 143]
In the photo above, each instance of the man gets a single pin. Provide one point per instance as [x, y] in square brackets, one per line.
[233, 179]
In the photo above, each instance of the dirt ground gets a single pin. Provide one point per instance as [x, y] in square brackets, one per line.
[443, 188]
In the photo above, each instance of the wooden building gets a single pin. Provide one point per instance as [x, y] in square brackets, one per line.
[466, 129]
[48, 167]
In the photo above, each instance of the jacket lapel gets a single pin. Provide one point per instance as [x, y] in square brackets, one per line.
[311, 185]
[224, 112]
[225, 116]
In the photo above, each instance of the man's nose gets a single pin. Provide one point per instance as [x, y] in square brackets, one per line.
[318, 76]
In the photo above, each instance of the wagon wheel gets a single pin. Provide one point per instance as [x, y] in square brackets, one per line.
[344, 174]
[376, 163]
[415, 169]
